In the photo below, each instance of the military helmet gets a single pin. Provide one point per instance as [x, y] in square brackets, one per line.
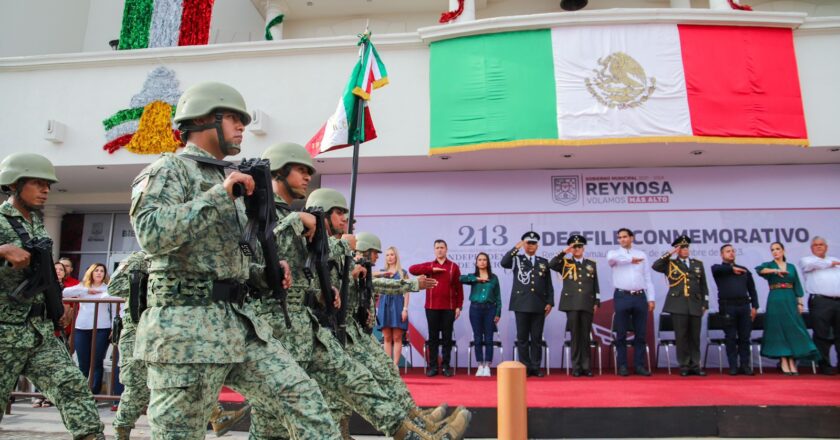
[202, 98]
[366, 241]
[288, 152]
[326, 199]
[31, 165]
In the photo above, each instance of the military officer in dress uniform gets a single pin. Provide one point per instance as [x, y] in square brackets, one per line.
[687, 301]
[531, 299]
[580, 299]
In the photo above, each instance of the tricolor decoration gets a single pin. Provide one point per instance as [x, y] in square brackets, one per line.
[146, 127]
[584, 85]
[165, 23]
[340, 129]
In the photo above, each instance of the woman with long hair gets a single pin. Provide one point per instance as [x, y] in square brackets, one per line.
[94, 285]
[485, 310]
[785, 335]
[392, 310]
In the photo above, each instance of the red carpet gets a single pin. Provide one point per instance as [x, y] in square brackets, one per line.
[609, 391]
[659, 390]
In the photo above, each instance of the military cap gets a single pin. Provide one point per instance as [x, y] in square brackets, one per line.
[682, 240]
[576, 239]
[531, 237]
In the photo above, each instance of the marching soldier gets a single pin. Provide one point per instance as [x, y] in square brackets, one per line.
[27, 344]
[531, 299]
[135, 395]
[580, 299]
[313, 346]
[198, 330]
[687, 301]
[361, 347]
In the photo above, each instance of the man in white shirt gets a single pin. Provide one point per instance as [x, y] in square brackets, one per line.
[634, 298]
[822, 282]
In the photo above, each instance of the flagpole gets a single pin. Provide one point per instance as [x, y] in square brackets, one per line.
[354, 171]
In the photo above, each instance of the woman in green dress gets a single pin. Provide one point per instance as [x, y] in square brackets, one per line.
[785, 335]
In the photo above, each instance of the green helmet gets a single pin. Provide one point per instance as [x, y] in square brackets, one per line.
[202, 98]
[288, 152]
[326, 199]
[365, 241]
[31, 165]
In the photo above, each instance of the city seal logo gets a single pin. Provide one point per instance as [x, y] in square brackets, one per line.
[620, 82]
[565, 190]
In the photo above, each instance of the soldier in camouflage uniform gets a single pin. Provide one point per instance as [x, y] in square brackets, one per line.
[27, 344]
[361, 346]
[135, 396]
[198, 331]
[314, 347]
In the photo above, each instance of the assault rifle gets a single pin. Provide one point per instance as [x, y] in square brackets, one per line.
[40, 276]
[262, 218]
[365, 284]
[318, 259]
[138, 287]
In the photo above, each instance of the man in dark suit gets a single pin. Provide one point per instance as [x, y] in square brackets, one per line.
[580, 299]
[738, 301]
[687, 301]
[531, 299]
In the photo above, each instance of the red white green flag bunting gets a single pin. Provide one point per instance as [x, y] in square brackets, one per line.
[165, 23]
[340, 129]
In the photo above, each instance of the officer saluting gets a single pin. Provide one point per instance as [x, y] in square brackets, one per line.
[580, 299]
[687, 301]
[531, 299]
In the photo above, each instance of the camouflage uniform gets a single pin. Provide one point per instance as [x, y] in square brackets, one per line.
[364, 348]
[135, 396]
[28, 346]
[188, 224]
[314, 347]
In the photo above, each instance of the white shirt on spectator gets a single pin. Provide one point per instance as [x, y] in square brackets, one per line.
[821, 277]
[629, 276]
[84, 319]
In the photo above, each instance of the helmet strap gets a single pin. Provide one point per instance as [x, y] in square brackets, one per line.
[224, 145]
[18, 200]
[282, 177]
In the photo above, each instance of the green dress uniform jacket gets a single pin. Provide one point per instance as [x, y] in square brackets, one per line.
[688, 290]
[580, 283]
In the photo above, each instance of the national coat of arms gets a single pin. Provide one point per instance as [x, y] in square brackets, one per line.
[620, 82]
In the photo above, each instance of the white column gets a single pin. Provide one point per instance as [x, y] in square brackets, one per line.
[52, 223]
[274, 9]
[469, 11]
[686, 4]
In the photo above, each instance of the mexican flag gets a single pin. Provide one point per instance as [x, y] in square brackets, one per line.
[639, 83]
[165, 23]
[341, 129]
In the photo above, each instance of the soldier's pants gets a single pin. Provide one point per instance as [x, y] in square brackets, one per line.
[183, 395]
[135, 395]
[529, 332]
[580, 325]
[340, 378]
[364, 349]
[687, 335]
[42, 358]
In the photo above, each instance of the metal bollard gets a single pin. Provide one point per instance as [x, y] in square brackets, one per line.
[512, 407]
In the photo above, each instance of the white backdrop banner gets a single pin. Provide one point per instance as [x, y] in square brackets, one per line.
[488, 211]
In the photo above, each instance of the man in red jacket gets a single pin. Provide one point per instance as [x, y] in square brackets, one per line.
[443, 305]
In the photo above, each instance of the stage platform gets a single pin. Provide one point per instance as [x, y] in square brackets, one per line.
[608, 406]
